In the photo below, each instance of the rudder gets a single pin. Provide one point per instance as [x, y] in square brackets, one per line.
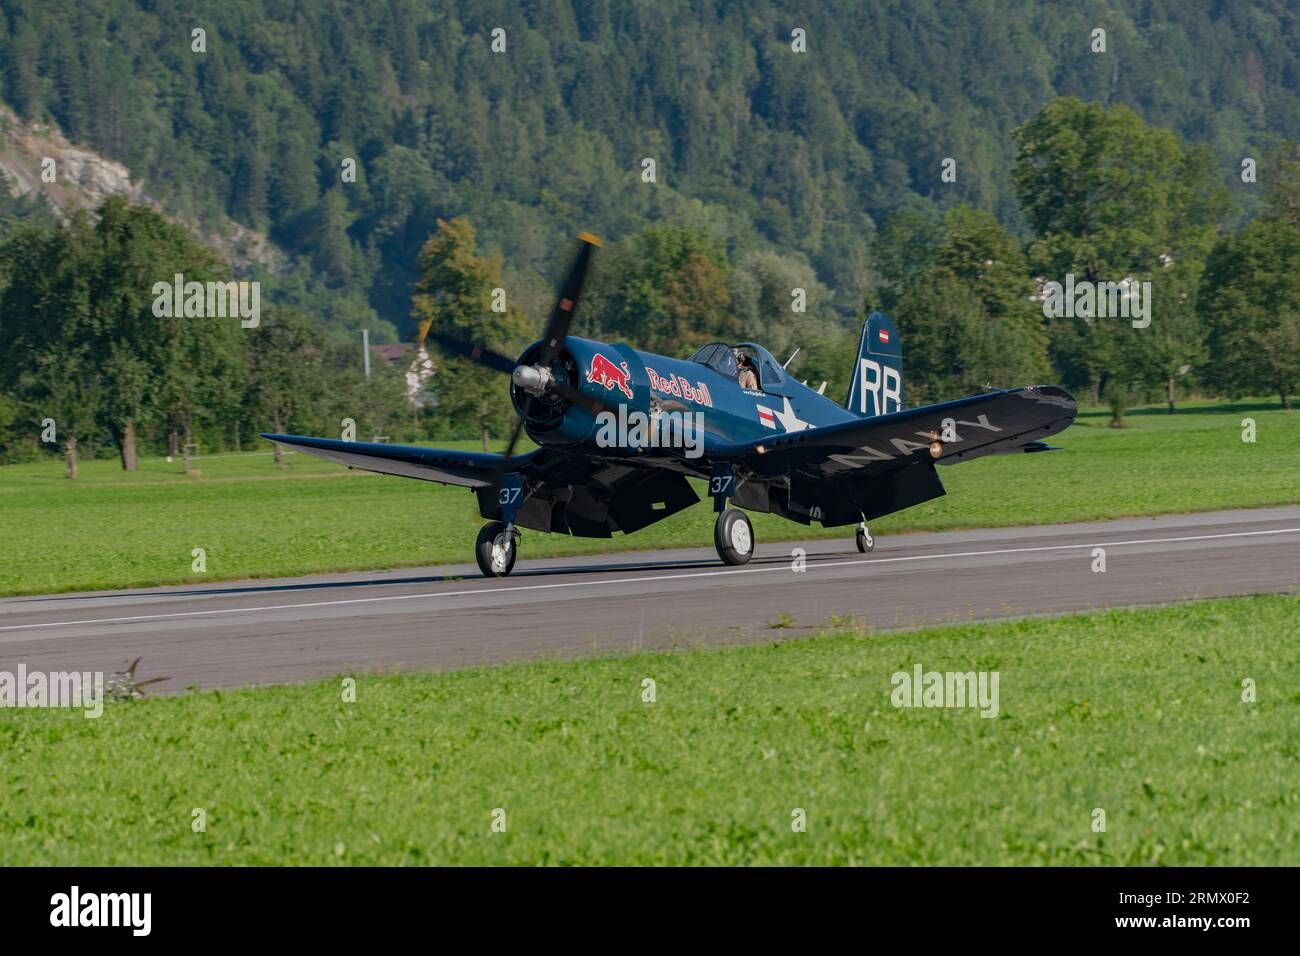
[876, 387]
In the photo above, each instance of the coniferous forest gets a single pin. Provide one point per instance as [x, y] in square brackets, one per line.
[940, 160]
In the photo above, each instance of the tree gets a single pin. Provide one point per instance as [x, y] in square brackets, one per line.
[903, 248]
[378, 403]
[46, 328]
[967, 319]
[764, 286]
[827, 356]
[1174, 345]
[453, 297]
[1250, 294]
[150, 360]
[948, 337]
[977, 251]
[285, 377]
[1282, 193]
[777, 150]
[667, 287]
[1112, 199]
[1277, 346]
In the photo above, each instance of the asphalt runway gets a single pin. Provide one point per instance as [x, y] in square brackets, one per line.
[275, 631]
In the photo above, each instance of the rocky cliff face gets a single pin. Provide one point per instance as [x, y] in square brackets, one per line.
[83, 179]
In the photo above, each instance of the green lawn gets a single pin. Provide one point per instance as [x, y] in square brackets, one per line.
[1136, 713]
[110, 529]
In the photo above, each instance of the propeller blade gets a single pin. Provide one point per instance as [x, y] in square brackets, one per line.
[475, 353]
[557, 330]
[557, 327]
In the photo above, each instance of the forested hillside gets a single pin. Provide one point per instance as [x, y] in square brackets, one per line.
[764, 148]
[756, 173]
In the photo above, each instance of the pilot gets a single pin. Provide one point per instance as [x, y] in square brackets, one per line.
[748, 375]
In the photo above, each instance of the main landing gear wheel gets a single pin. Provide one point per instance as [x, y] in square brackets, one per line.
[495, 550]
[733, 536]
[866, 542]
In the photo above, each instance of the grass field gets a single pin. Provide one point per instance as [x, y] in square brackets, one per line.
[113, 529]
[1137, 713]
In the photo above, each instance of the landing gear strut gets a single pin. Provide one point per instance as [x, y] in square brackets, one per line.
[496, 549]
[866, 542]
[733, 536]
[498, 541]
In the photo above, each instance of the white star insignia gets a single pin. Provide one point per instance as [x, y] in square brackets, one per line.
[789, 420]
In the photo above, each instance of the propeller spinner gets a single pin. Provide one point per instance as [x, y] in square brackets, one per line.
[536, 377]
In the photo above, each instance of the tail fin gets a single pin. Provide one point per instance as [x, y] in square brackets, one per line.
[876, 387]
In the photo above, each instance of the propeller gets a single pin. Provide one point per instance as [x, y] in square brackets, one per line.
[557, 327]
[475, 353]
[537, 378]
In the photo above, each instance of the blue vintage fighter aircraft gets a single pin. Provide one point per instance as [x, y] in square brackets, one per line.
[760, 439]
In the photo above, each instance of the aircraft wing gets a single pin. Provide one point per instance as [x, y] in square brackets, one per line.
[993, 423]
[468, 469]
[870, 467]
[562, 493]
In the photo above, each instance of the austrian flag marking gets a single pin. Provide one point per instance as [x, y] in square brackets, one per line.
[884, 336]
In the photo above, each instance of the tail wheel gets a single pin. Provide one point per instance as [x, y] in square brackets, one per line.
[495, 550]
[866, 542]
[733, 536]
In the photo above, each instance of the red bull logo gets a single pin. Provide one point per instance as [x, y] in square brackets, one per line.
[678, 387]
[606, 373]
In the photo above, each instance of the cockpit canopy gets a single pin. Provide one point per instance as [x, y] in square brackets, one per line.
[721, 357]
